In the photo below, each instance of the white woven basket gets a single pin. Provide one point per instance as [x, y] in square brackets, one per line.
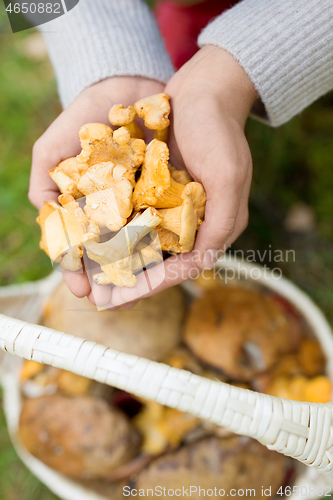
[303, 431]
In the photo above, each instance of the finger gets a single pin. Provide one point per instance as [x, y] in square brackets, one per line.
[101, 295]
[243, 212]
[78, 283]
[175, 156]
[129, 305]
[224, 195]
[219, 224]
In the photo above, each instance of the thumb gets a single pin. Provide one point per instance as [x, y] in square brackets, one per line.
[226, 214]
[217, 228]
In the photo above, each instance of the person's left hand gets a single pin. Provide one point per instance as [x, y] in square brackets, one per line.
[211, 100]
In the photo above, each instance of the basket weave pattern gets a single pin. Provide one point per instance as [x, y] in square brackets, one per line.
[303, 431]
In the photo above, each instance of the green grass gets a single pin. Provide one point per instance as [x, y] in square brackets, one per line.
[28, 104]
[292, 164]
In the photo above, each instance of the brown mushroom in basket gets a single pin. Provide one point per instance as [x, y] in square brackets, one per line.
[67, 175]
[150, 329]
[240, 332]
[156, 188]
[233, 463]
[186, 219]
[81, 437]
[124, 117]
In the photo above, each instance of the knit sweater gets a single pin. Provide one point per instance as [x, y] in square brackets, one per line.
[285, 47]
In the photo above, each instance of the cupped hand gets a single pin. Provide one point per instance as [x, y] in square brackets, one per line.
[211, 97]
[60, 141]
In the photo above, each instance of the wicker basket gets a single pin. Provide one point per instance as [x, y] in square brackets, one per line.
[303, 431]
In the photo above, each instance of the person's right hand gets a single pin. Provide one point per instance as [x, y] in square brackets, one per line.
[61, 141]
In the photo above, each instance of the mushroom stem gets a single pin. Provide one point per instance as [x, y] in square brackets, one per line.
[171, 219]
[156, 187]
[144, 256]
[122, 245]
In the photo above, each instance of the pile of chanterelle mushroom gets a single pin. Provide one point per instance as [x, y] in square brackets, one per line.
[114, 197]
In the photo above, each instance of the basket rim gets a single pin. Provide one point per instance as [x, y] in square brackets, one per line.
[271, 416]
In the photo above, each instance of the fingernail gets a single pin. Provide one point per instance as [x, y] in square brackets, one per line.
[210, 257]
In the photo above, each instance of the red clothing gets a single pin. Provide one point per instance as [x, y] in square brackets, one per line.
[181, 25]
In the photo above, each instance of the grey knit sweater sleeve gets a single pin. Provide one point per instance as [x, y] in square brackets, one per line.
[102, 38]
[285, 46]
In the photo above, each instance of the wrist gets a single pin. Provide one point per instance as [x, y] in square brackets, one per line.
[223, 79]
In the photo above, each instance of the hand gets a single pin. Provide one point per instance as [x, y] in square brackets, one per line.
[211, 100]
[212, 97]
[60, 141]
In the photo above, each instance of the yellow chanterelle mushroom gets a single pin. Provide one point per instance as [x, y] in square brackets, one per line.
[114, 256]
[156, 188]
[108, 199]
[186, 219]
[66, 175]
[124, 117]
[154, 110]
[99, 146]
[63, 231]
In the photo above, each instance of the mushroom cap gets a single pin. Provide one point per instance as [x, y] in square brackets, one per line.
[120, 116]
[193, 210]
[66, 175]
[180, 176]
[168, 240]
[112, 206]
[122, 136]
[185, 220]
[232, 463]
[135, 150]
[48, 208]
[156, 187]
[63, 230]
[78, 436]
[150, 329]
[154, 110]
[103, 176]
[59, 236]
[196, 192]
[98, 146]
[97, 178]
[70, 168]
[120, 273]
[188, 225]
[240, 332]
